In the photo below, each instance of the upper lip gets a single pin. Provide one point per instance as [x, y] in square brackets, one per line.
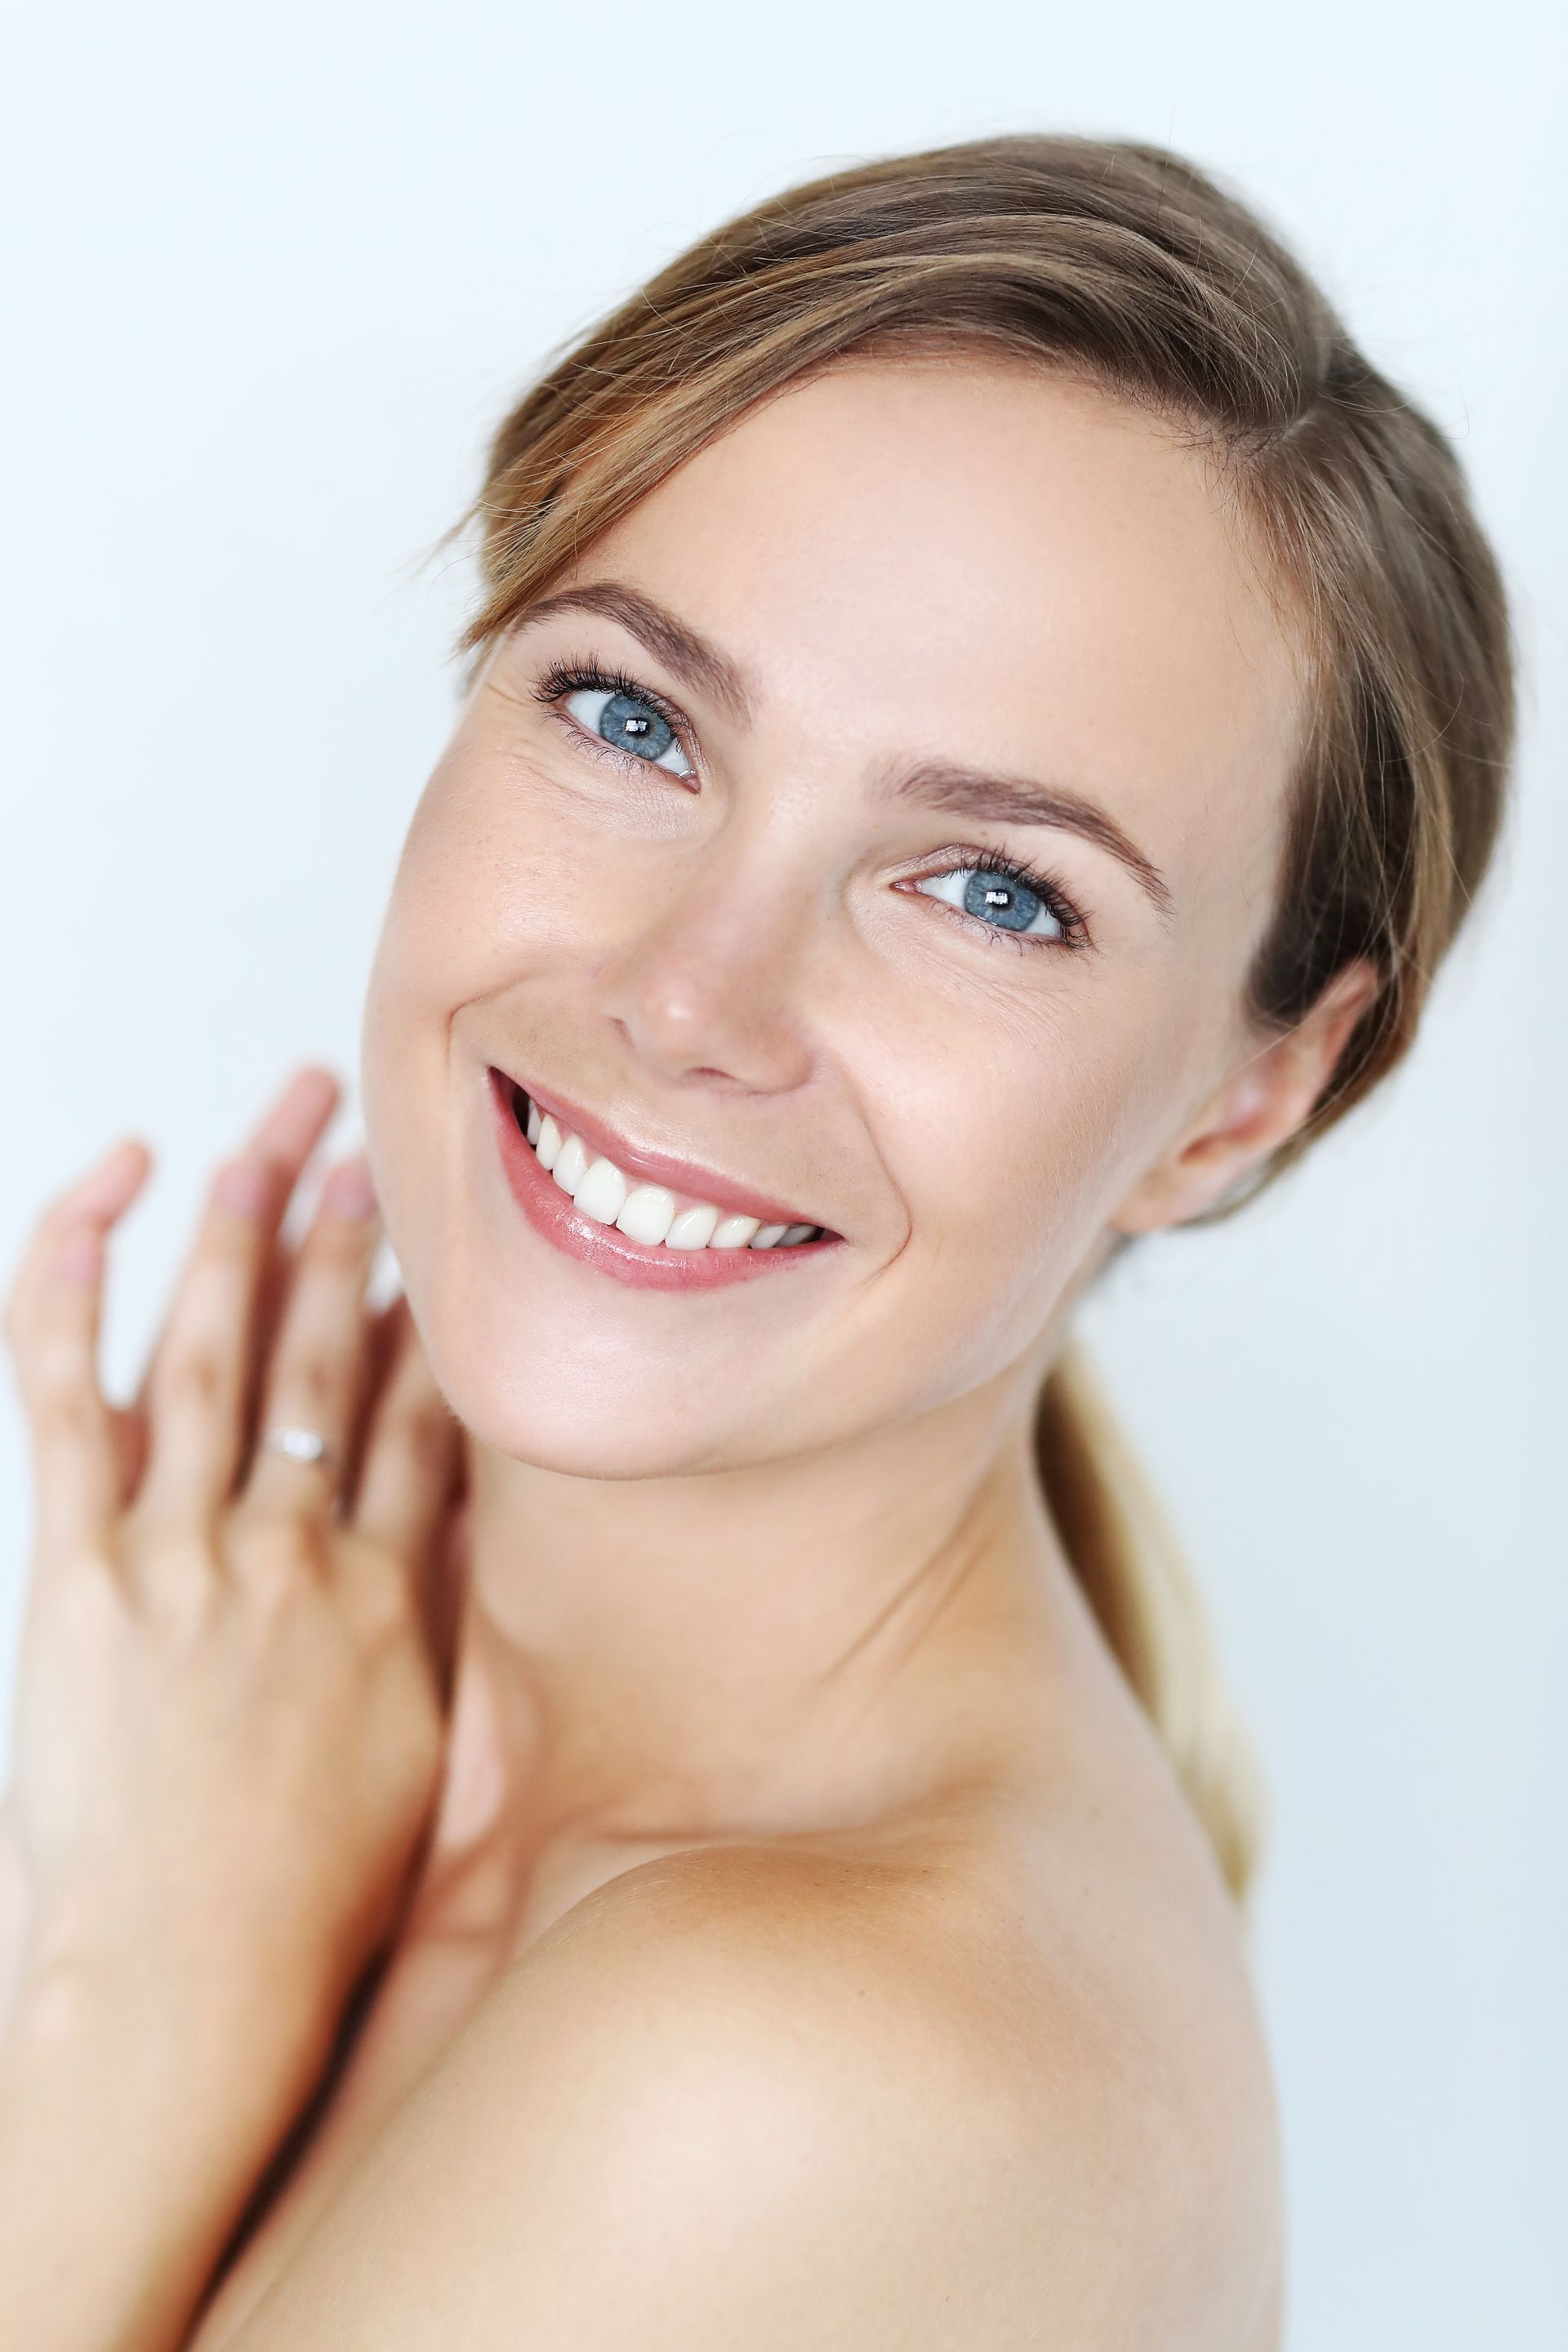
[711, 1184]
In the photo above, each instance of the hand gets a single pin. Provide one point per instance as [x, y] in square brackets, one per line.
[229, 1709]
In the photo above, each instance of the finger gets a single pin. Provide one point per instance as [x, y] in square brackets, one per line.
[282, 1140]
[272, 1300]
[290, 1129]
[384, 1339]
[52, 1324]
[412, 1453]
[271, 1289]
[97, 1198]
[198, 1380]
[288, 1136]
[316, 1375]
[197, 1392]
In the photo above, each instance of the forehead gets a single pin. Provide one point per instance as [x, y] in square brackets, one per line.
[991, 562]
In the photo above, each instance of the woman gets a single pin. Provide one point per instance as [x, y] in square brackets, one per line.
[609, 1803]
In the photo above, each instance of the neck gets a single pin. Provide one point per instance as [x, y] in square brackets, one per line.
[806, 1642]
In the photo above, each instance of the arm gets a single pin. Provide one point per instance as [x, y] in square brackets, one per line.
[227, 1732]
[702, 2113]
[734, 2103]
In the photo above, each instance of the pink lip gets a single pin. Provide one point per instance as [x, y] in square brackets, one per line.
[660, 1168]
[551, 1213]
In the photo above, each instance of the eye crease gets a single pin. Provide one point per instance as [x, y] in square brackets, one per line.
[1005, 897]
[613, 711]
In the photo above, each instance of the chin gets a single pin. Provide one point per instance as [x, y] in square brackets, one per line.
[587, 1414]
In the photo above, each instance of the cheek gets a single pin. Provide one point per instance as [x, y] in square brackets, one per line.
[494, 887]
[458, 909]
[1013, 1150]
[502, 899]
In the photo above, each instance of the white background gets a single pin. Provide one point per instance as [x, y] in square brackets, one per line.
[271, 275]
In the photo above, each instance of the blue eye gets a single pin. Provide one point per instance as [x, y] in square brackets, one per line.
[997, 898]
[630, 723]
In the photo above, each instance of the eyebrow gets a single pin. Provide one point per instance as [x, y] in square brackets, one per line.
[938, 784]
[691, 657]
[1018, 799]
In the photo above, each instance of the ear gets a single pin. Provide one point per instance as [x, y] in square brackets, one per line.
[1260, 1106]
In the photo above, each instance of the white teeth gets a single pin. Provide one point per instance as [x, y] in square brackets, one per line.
[602, 1195]
[692, 1229]
[733, 1233]
[571, 1165]
[647, 1214]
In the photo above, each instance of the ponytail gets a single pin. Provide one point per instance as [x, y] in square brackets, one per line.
[1130, 1569]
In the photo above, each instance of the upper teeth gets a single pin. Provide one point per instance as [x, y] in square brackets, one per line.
[647, 1212]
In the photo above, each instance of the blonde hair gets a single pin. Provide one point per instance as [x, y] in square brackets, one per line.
[1128, 266]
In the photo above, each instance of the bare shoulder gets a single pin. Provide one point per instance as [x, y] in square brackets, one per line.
[782, 2094]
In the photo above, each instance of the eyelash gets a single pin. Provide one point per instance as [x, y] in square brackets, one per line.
[967, 857]
[576, 677]
[564, 677]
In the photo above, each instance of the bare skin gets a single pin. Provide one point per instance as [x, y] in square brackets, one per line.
[784, 1926]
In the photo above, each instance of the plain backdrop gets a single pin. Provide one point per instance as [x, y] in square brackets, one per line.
[269, 277]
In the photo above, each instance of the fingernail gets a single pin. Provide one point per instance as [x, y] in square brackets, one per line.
[243, 1187]
[349, 1192]
[81, 1255]
[104, 1175]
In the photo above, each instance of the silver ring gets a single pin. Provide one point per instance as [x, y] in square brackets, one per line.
[301, 1446]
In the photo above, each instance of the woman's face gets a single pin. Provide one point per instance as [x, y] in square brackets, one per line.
[873, 834]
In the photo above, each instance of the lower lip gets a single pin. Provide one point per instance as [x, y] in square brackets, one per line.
[551, 1212]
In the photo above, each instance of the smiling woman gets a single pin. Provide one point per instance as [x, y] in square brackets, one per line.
[986, 713]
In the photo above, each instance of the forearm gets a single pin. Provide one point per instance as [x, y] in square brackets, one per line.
[126, 2159]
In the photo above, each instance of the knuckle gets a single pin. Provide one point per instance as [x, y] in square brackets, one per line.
[36, 1329]
[179, 1584]
[337, 1244]
[271, 1554]
[91, 1596]
[190, 1381]
[271, 1582]
[63, 1410]
[261, 1531]
[379, 1597]
[312, 1385]
[224, 1243]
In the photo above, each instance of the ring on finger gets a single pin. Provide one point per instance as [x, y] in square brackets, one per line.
[301, 1444]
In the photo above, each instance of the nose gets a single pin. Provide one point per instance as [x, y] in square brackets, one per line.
[712, 987]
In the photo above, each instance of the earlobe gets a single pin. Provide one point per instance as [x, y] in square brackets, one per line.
[1260, 1105]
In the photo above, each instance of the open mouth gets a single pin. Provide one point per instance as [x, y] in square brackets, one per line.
[571, 1184]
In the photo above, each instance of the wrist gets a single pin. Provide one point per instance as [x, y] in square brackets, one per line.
[208, 2033]
[126, 2160]
[84, 2058]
